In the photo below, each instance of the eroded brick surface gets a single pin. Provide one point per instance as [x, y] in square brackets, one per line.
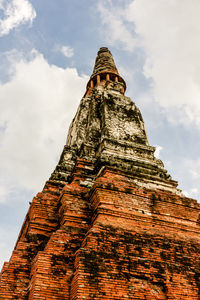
[110, 223]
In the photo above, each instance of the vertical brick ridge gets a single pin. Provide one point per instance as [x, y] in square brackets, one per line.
[53, 267]
[41, 220]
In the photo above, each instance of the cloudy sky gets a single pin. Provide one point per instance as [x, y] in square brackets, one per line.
[47, 52]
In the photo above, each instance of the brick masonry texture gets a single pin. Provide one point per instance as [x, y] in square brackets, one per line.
[110, 222]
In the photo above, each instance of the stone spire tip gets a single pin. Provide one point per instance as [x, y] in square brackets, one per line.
[105, 70]
[104, 62]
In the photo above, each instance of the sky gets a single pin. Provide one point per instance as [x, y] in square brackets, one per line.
[47, 53]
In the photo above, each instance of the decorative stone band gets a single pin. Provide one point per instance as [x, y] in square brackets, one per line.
[135, 160]
[105, 77]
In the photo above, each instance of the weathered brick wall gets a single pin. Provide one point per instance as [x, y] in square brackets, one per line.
[40, 222]
[122, 264]
[116, 240]
[143, 244]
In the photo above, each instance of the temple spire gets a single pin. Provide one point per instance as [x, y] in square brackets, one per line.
[105, 71]
[104, 62]
[110, 223]
[108, 129]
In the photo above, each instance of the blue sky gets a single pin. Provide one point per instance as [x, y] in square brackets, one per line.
[47, 52]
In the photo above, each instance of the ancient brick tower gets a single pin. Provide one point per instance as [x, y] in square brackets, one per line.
[110, 222]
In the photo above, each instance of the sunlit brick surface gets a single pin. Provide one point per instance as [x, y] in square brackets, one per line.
[114, 241]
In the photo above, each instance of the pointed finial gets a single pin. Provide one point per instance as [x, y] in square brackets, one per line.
[104, 62]
[105, 71]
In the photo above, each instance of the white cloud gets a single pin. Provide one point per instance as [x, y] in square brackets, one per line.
[6, 243]
[16, 12]
[3, 193]
[191, 193]
[195, 173]
[117, 31]
[194, 190]
[168, 32]
[36, 107]
[191, 168]
[194, 168]
[158, 150]
[67, 51]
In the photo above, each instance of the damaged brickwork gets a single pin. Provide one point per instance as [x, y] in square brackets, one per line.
[110, 222]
